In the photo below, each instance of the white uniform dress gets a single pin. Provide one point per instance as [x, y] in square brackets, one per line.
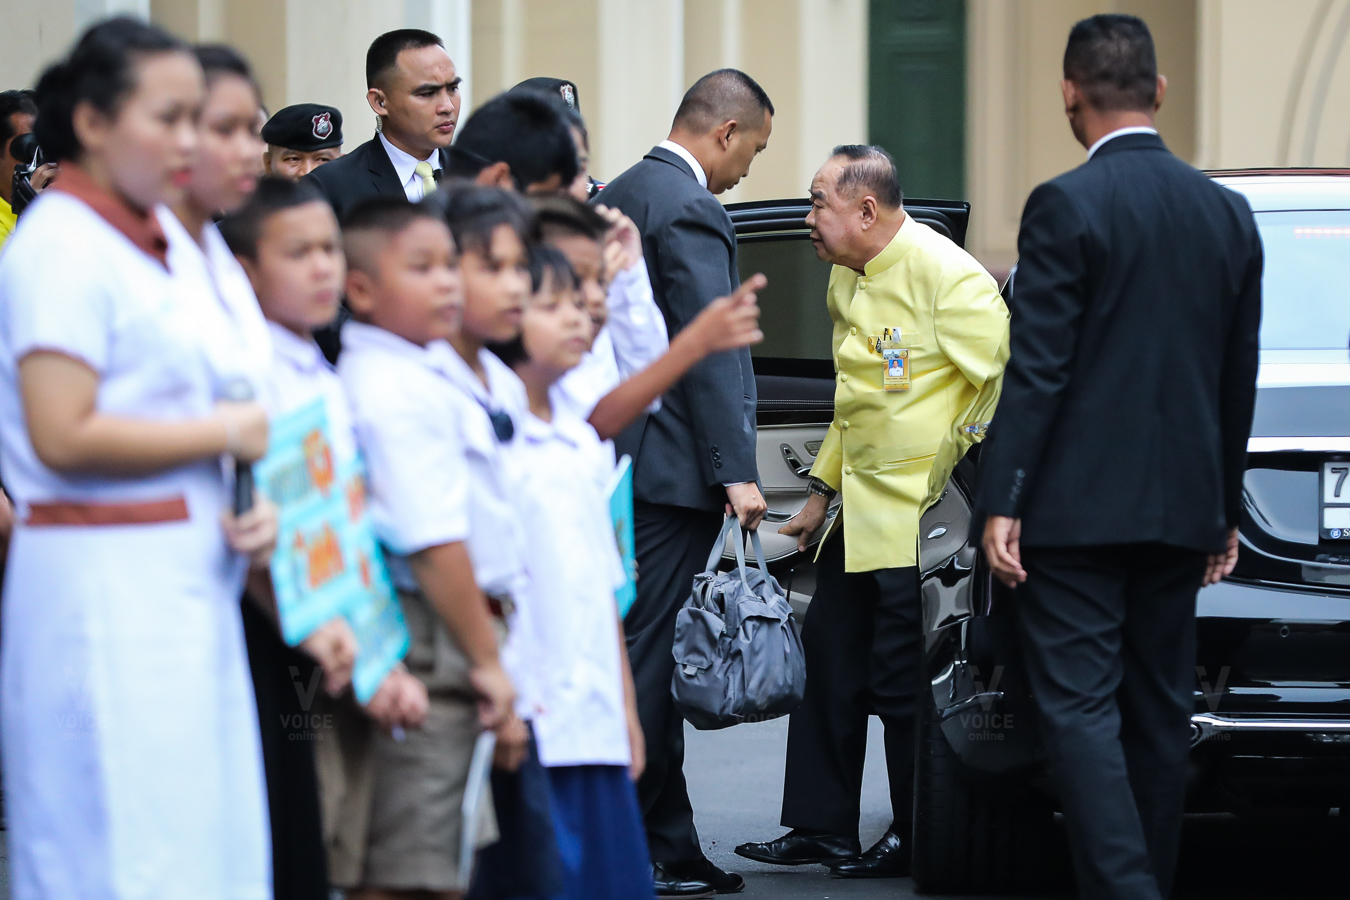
[130, 735]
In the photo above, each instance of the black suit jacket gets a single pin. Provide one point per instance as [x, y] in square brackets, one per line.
[1127, 401]
[704, 434]
[365, 172]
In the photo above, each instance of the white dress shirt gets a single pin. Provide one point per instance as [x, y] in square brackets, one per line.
[1120, 132]
[633, 338]
[682, 153]
[405, 165]
[574, 569]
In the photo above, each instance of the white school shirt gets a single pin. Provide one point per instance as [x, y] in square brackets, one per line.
[437, 474]
[574, 569]
[405, 166]
[240, 344]
[633, 338]
[297, 375]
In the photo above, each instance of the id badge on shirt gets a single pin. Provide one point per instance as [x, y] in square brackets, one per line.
[894, 366]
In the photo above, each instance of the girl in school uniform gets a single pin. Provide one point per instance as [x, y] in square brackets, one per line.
[585, 722]
[225, 173]
[127, 719]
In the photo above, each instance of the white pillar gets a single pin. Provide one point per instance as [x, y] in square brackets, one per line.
[452, 21]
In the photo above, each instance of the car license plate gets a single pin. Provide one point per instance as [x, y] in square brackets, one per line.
[1336, 500]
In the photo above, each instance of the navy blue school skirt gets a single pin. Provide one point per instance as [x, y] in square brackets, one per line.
[524, 863]
[601, 840]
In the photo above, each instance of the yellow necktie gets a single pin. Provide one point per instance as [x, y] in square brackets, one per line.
[424, 171]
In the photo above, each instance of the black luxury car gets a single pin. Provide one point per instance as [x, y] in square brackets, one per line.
[1271, 728]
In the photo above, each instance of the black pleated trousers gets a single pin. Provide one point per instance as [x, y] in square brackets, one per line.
[672, 545]
[862, 636]
[1108, 637]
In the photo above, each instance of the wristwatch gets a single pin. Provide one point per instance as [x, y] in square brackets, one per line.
[816, 486]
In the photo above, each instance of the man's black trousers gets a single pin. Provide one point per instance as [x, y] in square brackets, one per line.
[672, 545]
[862, 640]
[1108, 636]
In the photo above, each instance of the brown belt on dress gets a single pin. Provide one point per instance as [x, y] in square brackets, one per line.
[144, 512]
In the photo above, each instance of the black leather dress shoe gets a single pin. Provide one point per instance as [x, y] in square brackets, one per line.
[703, 870]
[800, 847]
[671, 884]
[887, 858]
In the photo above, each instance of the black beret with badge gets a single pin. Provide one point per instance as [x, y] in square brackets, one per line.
[305, 127]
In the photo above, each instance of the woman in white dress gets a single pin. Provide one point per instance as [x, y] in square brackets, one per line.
[127, 725]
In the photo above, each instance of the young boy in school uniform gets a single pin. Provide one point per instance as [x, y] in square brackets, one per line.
[433, 427]
[289, 245]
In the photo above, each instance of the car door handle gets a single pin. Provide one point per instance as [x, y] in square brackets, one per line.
[794, 462]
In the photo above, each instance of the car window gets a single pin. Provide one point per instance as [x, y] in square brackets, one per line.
[794, 318]
[1306, 288]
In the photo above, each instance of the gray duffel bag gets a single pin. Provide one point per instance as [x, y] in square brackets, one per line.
[738, 649]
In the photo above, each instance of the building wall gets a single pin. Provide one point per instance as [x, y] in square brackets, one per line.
[1251, 82]
[1017, 135]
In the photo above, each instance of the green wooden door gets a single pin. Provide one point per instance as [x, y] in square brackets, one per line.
[917, 87]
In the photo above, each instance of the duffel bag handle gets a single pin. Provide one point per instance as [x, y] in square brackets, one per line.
[732, 525]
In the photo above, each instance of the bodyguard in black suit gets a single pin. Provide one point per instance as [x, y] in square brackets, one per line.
[414, 90]
[695, 457]
[1112, 475]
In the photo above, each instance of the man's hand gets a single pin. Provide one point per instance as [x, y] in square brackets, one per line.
[747, 503]
[495, 694]
[1221, 564]
[512, 741]
[807, 522]
[333, 646]
[1001, 548]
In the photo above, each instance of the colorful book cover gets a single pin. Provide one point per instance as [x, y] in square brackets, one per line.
[327, 562]
[621, 513]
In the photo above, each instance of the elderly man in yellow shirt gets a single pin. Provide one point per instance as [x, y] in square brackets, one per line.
[920, 340]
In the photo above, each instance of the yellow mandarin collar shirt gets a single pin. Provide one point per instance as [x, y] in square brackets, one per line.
[7, 221]
[885, 447]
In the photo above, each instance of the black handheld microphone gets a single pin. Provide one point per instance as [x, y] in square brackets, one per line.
[239, 390]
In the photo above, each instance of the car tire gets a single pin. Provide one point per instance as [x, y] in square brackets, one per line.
[973, 838]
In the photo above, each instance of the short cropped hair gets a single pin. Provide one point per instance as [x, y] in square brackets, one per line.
[474, 212]
[243, 229]
[99, 70]
[526, 129]
[384, 50]
[545, 263]
[1111, 59]
[13, 103]
[563, 216]
[871, 170]
[719, 96]
[381, 217]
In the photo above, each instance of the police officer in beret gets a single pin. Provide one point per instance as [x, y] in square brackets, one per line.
[301, 138]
